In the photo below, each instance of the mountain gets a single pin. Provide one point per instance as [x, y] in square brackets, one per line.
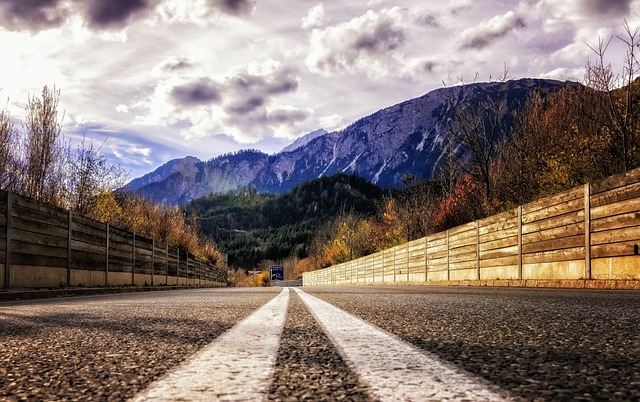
[304, 140]
[409, 137]
[251, 227]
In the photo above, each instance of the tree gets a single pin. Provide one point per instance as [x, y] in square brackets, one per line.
[477, 126]
[44, 153]
[91, 174]
[618, 95]
[8, 157]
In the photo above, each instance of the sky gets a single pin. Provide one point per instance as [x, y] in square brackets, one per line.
[154, 80]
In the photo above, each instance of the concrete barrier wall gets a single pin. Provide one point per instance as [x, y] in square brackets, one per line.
[589, 233]
[45, 246]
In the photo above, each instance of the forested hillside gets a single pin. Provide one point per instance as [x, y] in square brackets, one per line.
[252, 227]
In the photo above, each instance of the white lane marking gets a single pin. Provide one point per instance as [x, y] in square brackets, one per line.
[396, 370]
[237, 366]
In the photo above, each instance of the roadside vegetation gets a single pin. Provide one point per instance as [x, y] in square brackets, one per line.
[37, 161]
[499, 159]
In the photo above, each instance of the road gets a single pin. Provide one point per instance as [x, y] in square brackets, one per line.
[366, 343]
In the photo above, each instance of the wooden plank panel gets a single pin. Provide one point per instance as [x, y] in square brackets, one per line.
[87, 261]
[80, 230]
[488, 222]
[25, 204]
[575, 253]
[616, 181]
[38, 239]
[614, 249]
[491, 236]
[463, 265]
[615, 222]
[472, 248]
[38, 249]
[556, 210]
[462, 229]
[558, 221]
[499, 253]
[554, 233]
[90, 238]
[627, 192]
[616, 235]
[505, 242]
[499, 262]
[464, 257]
[438, 254]
[83, 221]
[553, 244]
[553, 202]
[616, 208]
[37, 260]
[39, 227]
[79, 246]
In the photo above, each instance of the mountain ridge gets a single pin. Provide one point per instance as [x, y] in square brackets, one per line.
[409, 137]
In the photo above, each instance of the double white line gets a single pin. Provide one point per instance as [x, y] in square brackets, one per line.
[239, 365]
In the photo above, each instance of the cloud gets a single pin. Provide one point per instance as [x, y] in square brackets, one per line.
[239, 8]
[115, 13]
[172, 65]
[487, 32]
[597, 8]
[361, 44]
[243, 104]
[32, 15]
[314, 17]
[202, 91]
[99, 15]
[428, 20]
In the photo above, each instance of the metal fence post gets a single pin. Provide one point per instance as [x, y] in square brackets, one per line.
[587, 231]
[106, 258]
[70, 227]
[7, 255]
[133, 261]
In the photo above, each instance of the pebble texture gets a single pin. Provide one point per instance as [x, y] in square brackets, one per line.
[237, 366]
[396, 370]
[308, 366]
[538, 344]
[108, 348]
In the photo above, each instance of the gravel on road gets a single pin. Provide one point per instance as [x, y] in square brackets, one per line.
[539, 344]
[107, 348]
[308, 366]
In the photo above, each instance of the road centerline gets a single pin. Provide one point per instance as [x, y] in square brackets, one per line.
[394, 369]
[237, 366]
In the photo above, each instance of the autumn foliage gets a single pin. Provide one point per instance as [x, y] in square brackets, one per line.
[579, 134]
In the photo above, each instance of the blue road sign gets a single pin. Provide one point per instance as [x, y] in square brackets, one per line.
[276, 272]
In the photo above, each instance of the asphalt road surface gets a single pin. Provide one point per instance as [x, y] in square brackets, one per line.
[324, 343]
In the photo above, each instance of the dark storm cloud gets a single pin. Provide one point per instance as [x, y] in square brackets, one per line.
[200, 92]
[246, 106]
[384, 37]
[487, 33]
[609, 7]
[284, 116]
[361, 41]
[238, 8]
[115, 13]
[31, 15]
[250, 92]
[175, 64]
[429, 20]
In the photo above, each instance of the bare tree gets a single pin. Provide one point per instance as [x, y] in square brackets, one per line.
[90, 174]
[477, 127]
[8, 142]
[44, 151]
[620, 95]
